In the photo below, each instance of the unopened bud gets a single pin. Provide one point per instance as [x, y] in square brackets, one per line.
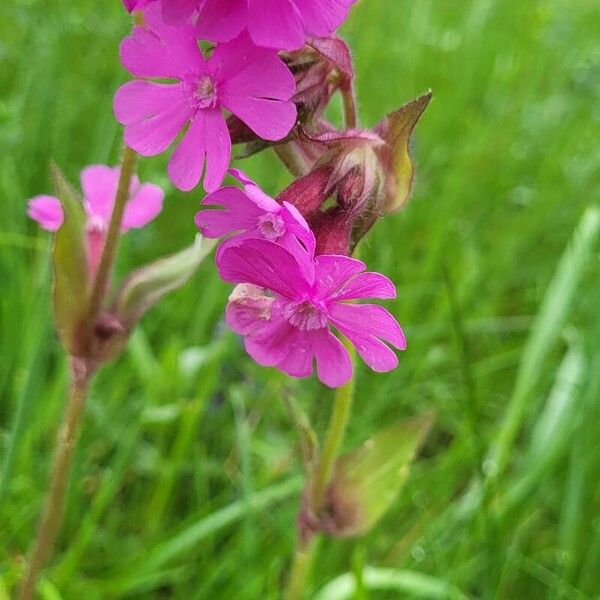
[342, 189]
[321, 68]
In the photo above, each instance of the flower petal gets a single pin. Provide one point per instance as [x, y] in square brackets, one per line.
[178, 12]
[334, 366]
[275, 24]
[154, 132]
[269, 345]
[299, 357]
[144, 206]
[254, 192]
[99, 185]
[218, 149]
[238, 212]
[267, 265]
[367, 285]
[248, 309]
[187, 162]
[137, 100]
[322, 17]
[269, 119]
[364, 325]
[47, 211]
[297, 226]
[221, 20]
[334, 271]
[158, 50]
[245, 70]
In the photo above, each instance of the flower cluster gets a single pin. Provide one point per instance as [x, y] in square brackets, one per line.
[241, 74]
[212, 73]
[288, 298]
[262, 73]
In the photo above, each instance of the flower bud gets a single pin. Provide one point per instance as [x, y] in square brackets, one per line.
[321, 68]
[348, 173]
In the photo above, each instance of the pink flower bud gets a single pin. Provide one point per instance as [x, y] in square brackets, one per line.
[321, 68]
[347, 173]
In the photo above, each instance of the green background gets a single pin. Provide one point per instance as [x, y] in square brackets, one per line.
[186, 477]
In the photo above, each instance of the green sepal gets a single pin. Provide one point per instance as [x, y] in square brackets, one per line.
[368, 479]
[143, 288]
[69, 260]
[396, 130]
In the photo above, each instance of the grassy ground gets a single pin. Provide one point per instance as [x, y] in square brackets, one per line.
[186, 476]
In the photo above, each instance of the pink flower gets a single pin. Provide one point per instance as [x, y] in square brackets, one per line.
[279, 24]
[99, 185]
[250, 82]
[250, 213]
[289, 326]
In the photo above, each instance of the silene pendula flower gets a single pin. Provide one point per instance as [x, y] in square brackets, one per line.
[279, 24]
[287, 314]
[252, 83]
[250, 213]
[99, 185]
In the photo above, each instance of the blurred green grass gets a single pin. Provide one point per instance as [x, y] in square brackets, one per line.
[186, 477]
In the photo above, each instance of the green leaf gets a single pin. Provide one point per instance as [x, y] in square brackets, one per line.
[146, 286]
[407, 583]
[396, 129]
[368, 479]
[70, 267]
[546, 329]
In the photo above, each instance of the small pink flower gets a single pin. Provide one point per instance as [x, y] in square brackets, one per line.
[279, 24]
[309, 296]
[250, 213]
[99, 184]
[250, 82]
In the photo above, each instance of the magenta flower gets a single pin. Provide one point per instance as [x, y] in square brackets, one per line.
[250, 213]
[99, 184]
[252, 83]
[308, 297]
[279, 24]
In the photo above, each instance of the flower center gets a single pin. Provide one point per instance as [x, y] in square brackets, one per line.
[201, 91]
[305, 315]
[271, 226]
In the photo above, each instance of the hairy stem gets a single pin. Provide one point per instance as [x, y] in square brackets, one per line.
[336, 431]
[81, 375]
[114, 233]
[318, 486]
[349, 102]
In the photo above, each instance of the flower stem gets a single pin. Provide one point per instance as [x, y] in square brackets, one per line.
[336, 430]
[114, 233]
[349, 102]
[300, 569]
[81, 375]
